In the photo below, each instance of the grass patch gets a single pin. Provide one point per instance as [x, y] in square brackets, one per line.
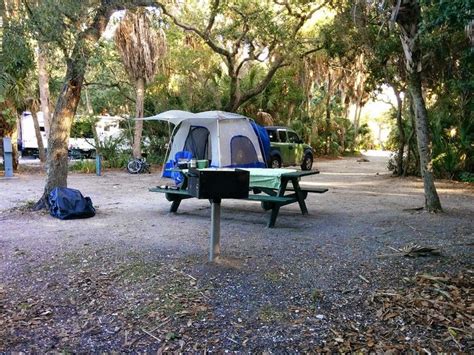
[24, 206]
[274, 276]
[270, 314]
[27, 205]
[138, 271]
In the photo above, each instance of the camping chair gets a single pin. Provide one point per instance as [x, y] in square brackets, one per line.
[184, 154]
[173, 163]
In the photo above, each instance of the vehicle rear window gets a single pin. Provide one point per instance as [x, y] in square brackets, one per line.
[293, 137]
[282, 135]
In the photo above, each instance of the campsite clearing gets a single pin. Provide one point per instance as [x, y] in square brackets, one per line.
[135, 277]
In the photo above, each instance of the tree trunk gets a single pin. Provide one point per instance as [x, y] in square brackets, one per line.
[328, 114]
[39, 138]
[410, 139]
[43, 79]
[356, 124]
[401, 132]
[291, 110]
[15, 153]
[137, 137]
[68, 100]
[89, 109]
[408, 17]
[432, 202]
[58, 140]
[342, 148]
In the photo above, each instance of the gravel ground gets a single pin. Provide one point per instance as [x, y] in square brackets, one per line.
[136, 278]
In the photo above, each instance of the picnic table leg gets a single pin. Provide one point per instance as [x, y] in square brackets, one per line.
[300, 196]
[273, 215]
[215, 238]
[175, 205]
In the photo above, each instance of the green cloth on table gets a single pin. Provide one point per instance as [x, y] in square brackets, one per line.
[267, 178]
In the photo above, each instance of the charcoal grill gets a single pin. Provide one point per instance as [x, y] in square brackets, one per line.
[215, 185]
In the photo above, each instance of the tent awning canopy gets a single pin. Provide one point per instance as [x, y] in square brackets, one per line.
[177, 116]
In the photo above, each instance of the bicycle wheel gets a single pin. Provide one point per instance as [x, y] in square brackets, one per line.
[134, 166]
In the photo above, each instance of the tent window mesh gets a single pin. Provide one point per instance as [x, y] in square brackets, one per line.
[242, 151]
[197, 142]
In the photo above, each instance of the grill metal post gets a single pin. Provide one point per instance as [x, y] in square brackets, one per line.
[215, 238]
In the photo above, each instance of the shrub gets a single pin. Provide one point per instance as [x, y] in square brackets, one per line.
[117, 161]
[156, 149]
[83, 166]
[113, 153]
[466, 176]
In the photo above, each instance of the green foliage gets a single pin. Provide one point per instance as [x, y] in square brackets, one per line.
[108, 93]
[466, 177]
[17, 55]
[113, 154]
[83, 166]
[118, 160]
[16, 63]
[82, 127]
[195, 78]
[7, 121]
[59, 22]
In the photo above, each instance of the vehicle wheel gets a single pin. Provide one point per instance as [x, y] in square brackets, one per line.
[307, 162]
[134, 166]
[275, 162]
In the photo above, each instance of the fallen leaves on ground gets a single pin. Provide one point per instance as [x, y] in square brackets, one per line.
[433, 313]
[130, 305]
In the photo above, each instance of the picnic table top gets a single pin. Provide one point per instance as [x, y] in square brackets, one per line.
[271, 178]
[264, 177]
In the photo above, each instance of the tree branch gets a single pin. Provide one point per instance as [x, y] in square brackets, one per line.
[264, 82]
[205, 36]
[39, 28]
[310, 51]
[215, 7]
[113, 85]
[246, 29]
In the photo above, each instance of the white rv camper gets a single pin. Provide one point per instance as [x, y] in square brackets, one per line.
[107, 127]
[27, 136]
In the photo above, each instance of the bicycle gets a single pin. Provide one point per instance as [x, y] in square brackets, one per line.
[138, 166]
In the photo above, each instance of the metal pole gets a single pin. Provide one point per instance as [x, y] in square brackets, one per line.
[8, 157]
[98, 164]
[215, 239]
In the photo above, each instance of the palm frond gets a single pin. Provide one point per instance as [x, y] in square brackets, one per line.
[141, 46]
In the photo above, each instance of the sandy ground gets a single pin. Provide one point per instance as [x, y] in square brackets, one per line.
[284, 289]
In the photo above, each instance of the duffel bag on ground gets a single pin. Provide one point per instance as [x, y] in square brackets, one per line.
[65, 203]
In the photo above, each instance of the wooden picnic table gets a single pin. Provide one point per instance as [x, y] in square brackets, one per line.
[271, 198]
